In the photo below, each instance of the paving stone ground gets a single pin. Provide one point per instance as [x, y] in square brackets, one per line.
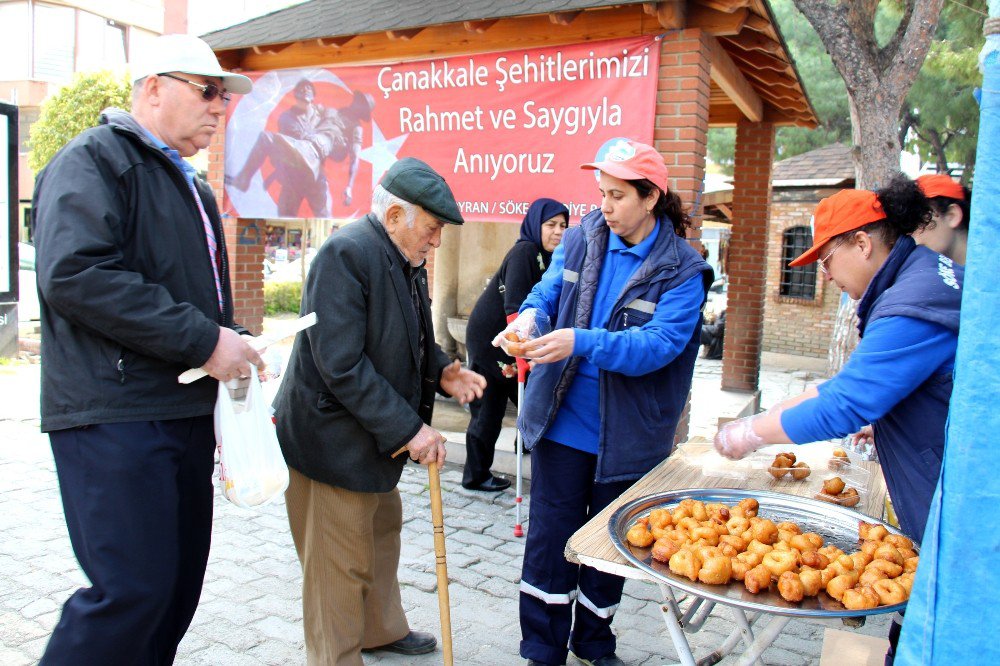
[250, 612]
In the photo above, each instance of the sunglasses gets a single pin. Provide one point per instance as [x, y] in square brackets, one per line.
[209, 91]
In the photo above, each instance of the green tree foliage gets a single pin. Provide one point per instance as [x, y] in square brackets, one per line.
[72, 110]
[940, 118]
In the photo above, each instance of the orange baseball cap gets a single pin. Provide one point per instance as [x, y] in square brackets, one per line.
[845, 211]
[631, 160]
[940, 185]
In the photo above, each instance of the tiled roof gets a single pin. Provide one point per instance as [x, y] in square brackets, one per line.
[828, 165]
[331, 18]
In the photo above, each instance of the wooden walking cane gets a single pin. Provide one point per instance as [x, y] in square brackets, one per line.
[437, 520]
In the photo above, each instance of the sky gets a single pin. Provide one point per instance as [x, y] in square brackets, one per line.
[208, 16]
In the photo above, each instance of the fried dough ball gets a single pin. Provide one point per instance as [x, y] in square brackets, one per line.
[660, 518]
[899, 541]
[800, 471]
[787, 454]
[812, 582]
[815, 559]
[717, 510]
[664, 549]
[679, 514]
[789, 527]
[872, 531]
[839, 460]
[677, 536]
[660, 532]
[757, 579]
[753, 559]
[695, 508]
[687, 524]
[764, 531]
[910, 564]
[869, 576]
[807, 541]
[639, 534]
[745, 508]
[891, 569]
[831, 552]
[842, 564]
[760, 548]
[906, 580]
[685, 563]
[840, 584]
[861, 559]
[870, 547]
[890, 592]
[861, 598]
[706, 552]
[778, 562]
[737, 525]
[733, 541]
[780, 467]
[739, 568]
[716, 570]
[849, 497]
[887, 552]
[907, 553]
[833, 486]
[790, 587]
[707, 534]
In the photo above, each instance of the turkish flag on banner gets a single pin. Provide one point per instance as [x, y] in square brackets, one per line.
[502, 128]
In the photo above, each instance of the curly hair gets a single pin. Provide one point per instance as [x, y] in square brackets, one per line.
[906, 210]
[667, 205]
[940, 205]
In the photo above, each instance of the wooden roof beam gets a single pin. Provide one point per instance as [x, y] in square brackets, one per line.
[270, 49]
[760, 24]
[334, 42]
[754, 41]
[759, 60]
[404, 35]
[564, 18]
[671, 14]
[479, 27]
[725, 6]
[715, 22]
[728, 76]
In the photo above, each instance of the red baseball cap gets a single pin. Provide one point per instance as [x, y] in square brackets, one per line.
[940, 185]
[631, 160]
[845, 211]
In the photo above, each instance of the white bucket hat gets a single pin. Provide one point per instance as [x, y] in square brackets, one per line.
[187, 54]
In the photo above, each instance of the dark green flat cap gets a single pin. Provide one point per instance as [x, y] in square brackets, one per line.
[416, 182]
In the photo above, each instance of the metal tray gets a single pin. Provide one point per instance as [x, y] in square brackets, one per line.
[836, 524]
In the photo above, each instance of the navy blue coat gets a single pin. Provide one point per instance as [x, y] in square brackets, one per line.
[639, 414]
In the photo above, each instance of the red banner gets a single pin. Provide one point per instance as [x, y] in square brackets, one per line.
[502, 128]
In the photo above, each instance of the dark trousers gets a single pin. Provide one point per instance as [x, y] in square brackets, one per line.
[138, 504]
[484, 428]
[564, 496]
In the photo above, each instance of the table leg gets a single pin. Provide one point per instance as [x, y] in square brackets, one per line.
[677, 636]
[763, 640]
[693, 625]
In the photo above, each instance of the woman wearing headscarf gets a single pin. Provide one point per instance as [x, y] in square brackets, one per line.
[624, 292]
[541, 231]
[899, 377]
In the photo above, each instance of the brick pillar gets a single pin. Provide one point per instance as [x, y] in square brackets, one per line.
[681, 132]
[244, 244]
[748, 255]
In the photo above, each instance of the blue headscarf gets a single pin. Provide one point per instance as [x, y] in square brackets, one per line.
[539, 211]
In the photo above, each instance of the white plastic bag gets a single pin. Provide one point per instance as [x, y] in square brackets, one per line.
[252, 470]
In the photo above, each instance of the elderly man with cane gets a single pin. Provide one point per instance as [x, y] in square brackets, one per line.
[359, 387]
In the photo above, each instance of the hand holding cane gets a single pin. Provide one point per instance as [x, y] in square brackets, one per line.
[437, 520]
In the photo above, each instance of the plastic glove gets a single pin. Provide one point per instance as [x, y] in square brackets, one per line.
[738, 439]
[522, 324]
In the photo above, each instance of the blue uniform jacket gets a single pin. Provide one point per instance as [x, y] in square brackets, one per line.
[638, 414]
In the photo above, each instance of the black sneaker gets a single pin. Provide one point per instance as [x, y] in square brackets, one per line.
[607, 660]
[415, 642]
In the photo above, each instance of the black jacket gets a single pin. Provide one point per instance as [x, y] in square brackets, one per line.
[521, 269]
[126, 286]
[353, 393]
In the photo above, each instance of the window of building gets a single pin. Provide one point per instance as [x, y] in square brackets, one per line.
[101, 43]
[798, 282]
[55, 41]
[15, 37]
